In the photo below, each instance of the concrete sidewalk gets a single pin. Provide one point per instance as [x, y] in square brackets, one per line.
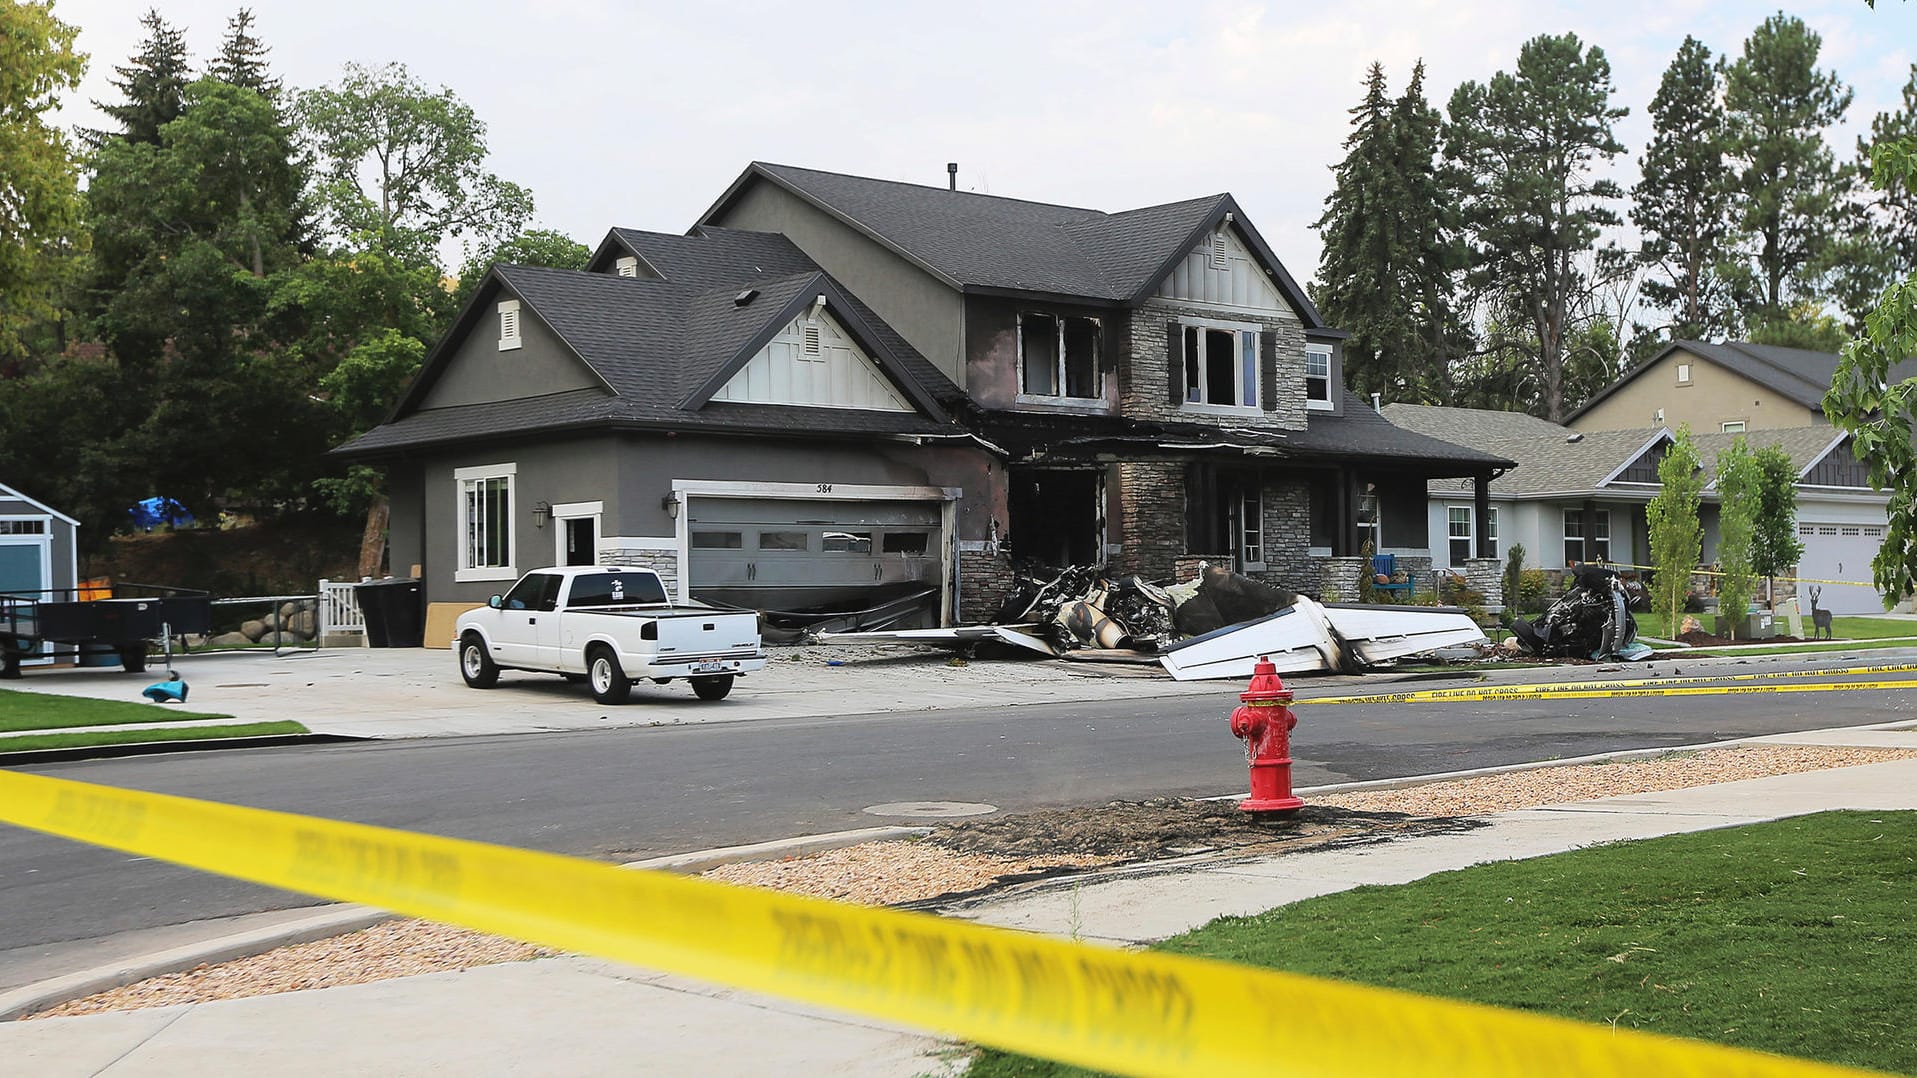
[579, 1016]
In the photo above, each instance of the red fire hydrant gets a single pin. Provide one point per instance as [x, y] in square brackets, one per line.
[1265, 723]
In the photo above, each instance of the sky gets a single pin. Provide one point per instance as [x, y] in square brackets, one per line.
[639, 114]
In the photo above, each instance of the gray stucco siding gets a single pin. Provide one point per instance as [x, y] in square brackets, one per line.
[992, 347]
[480, 373]
[923, 309]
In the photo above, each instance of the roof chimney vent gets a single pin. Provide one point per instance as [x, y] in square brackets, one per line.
[1377, 403]
[951, 175]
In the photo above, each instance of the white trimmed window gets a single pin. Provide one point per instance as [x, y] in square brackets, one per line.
[1461, 538]
[1582, 544]
[486, 522]
[1318, 377]
[1683, 374]
[1732, 426]
[1221, 367]
[509, 325]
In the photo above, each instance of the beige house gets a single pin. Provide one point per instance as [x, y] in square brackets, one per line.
[1718, 389]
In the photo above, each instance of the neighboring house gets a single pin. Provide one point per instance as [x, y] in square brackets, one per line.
[833, 383]
[1579, 496]
[39, 553]
[1719, 388]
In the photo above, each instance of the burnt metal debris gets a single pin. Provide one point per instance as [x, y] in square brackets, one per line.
[1592, 621]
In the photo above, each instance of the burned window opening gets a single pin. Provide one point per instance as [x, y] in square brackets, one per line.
[1056, 516]
[1058, 357]
[1221, 367]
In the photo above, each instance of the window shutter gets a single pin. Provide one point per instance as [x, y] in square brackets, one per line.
[1175, 361]
[1268, 371]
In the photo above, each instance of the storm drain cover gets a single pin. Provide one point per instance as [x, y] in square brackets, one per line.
[936, 809]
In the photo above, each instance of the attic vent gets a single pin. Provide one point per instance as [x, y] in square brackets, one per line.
[509, 325]
[811, 338]
[1575, 438]
[1220, 252]
[745, 297]
[627, 266]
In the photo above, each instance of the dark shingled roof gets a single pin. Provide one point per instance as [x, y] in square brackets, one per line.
[974, 241]
[1796, 374]
[656, 343]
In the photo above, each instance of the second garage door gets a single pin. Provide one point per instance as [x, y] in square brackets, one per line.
[1840, 552]
[785, 554]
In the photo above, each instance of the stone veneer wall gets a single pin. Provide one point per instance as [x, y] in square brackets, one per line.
[1486, 575]
[1145, 391]
[665, 562]
[1287, 505]
[1151, 524]
[1338, 579]
[985, 576]
[1185, 567]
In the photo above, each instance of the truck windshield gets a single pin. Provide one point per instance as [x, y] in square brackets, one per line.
[615, 589]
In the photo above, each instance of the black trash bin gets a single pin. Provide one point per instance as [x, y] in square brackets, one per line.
[395, 612]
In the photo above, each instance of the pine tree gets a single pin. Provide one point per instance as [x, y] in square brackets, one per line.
[242, 59]
[1525, 147]
[153, 86]
[1682, 203]
[1385, 269]
[1789, 188]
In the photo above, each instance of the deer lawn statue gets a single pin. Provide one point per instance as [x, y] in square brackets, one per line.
[1820, 618]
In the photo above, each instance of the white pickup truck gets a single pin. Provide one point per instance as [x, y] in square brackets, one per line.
[606, 625]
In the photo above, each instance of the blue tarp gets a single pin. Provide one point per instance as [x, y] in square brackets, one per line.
[156, 511]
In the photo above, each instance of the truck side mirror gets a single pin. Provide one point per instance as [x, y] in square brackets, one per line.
[495, 602]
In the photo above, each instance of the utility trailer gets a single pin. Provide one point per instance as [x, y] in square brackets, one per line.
[118, 617]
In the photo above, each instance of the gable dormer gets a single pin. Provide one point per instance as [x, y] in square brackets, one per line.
[1221, 271]
[813, 362]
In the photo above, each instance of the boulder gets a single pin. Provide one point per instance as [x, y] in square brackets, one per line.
[303, 624]
[230, 640]
[252, 630]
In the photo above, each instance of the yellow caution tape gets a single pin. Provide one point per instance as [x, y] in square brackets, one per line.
[1503, 693]
[1124, 1011]
[1555, 688]
[1719, 572]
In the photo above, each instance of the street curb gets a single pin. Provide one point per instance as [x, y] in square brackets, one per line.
[154, 748]
[55, 991]
[802, 846]
[338, 921]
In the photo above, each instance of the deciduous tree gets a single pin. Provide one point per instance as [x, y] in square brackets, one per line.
[1774, 543]
[1737, 482]
[1677, 538]
[40, 207]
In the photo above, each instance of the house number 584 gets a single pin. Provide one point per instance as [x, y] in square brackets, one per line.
[825, 488]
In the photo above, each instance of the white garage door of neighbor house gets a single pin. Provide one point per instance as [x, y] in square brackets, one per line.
[1840, 552]
[787, 554]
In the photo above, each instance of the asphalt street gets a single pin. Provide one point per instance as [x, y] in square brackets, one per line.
[629, 793]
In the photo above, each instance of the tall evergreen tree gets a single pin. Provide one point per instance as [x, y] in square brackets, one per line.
[1880, 245]
[1789, 188]
[1525, 147]
[152, 86]
[242, 59]
[1682, 203]
[1385, 271]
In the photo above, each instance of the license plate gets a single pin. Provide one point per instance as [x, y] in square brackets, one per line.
[707, 668]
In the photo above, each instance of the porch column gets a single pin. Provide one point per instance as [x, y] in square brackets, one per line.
[1481, 513]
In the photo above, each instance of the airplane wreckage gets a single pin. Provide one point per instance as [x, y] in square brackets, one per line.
[1216, 626]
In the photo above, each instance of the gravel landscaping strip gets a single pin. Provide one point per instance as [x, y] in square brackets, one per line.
[900, 872]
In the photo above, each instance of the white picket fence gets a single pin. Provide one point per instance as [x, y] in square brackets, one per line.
[339, 609]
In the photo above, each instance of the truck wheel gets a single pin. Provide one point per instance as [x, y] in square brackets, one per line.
[133, 657]
[610, 685]
[712, 688]
[475, 665]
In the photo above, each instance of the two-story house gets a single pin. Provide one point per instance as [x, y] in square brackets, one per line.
[834, 384]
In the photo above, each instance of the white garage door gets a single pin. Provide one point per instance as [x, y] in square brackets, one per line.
[1840, 552]
[789, 554]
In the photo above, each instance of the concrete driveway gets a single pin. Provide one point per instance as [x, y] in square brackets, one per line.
[417, 692]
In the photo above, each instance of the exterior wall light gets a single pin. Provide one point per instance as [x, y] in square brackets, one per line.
[542, 512]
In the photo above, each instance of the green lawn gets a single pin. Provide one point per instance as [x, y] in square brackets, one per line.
[1792, 937]
[44, 711]
[1843, 627]
[88, 738]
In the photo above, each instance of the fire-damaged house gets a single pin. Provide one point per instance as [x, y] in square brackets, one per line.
[836, 390]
